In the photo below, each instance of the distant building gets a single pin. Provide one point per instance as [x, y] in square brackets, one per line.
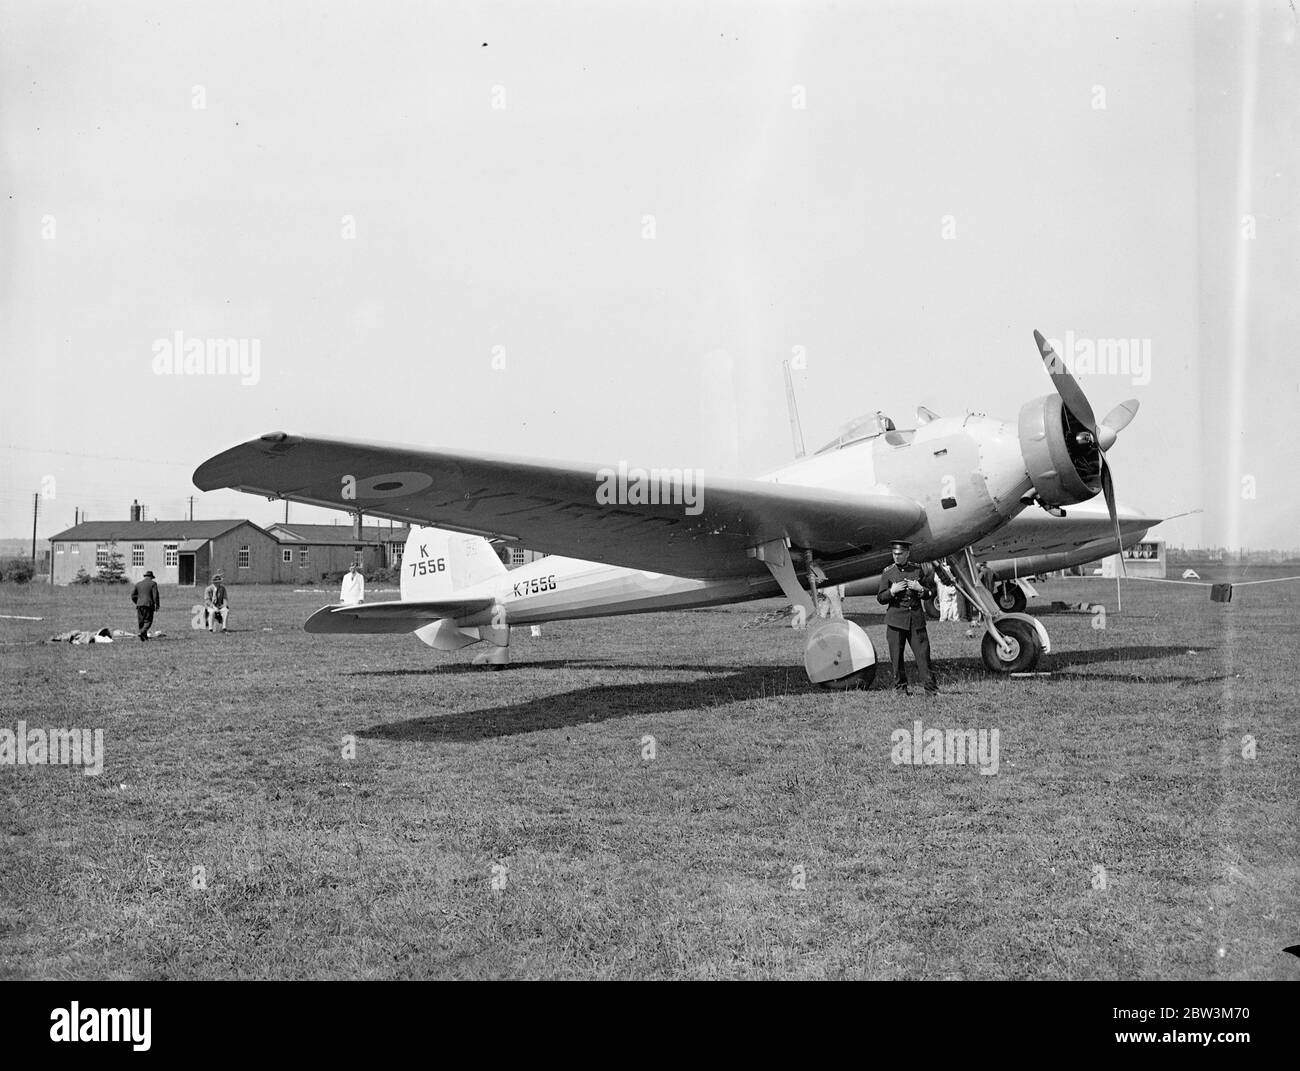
[187, 553]
[1146, 559]
[177, 552]
[319, 549]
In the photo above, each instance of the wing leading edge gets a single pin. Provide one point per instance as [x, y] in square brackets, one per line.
[699, 527]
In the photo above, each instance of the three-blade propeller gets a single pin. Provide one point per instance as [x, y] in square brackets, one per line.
[1103, 435]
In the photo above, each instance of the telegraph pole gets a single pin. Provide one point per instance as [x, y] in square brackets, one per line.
[36, 506]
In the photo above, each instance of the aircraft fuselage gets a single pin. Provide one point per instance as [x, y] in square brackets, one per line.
[966, 472]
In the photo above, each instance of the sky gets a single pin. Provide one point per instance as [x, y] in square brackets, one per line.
[595, 231]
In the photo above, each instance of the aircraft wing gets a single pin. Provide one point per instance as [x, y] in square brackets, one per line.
[390, 616]
[553, 506]
[1035, 532]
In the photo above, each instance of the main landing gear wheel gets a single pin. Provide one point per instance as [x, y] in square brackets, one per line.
[861, 679]
[1011, 599]
[1024, 648]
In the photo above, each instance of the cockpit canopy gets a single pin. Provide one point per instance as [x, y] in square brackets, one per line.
[863, 427]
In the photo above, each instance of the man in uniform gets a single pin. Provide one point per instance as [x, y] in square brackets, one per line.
[145, 597]
[903, 587]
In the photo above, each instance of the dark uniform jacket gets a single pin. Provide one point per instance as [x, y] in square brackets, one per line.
[905, 610]
[145, 593]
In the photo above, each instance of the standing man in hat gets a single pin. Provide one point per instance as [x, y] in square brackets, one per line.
[215, 605]
[145, 597]
[904, 586]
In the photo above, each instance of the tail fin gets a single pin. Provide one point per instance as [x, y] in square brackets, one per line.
[436, 564]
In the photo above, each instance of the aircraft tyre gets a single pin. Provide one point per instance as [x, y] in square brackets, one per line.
[1025, 648]
[495, 657]
[1011, 599]
[861, 679]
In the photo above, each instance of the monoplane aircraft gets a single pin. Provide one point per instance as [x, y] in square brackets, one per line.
[626, 540]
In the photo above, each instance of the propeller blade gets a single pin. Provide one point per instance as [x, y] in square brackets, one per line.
[1104, 434]
[1118, 418]
[1070, 391]
[1108, 490]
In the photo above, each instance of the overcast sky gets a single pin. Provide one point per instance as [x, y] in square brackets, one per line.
[594, 231]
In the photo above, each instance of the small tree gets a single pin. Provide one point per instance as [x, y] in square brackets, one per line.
[82, 576]
[112, 571]
[17, 570]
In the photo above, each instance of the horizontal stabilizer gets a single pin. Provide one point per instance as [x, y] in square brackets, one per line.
[380, 617]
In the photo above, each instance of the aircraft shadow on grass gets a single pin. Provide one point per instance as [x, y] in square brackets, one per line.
[584, 706]
[724, 685]
[457, 668]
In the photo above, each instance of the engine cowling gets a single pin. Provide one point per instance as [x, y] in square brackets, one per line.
[1061, 455]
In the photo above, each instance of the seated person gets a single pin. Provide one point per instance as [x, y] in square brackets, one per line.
[216, 605]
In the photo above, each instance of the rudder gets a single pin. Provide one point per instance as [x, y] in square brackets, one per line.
[438, 563]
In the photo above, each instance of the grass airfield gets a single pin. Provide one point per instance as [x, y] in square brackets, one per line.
[507, 824]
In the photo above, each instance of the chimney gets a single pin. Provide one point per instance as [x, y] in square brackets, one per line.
[135, 510]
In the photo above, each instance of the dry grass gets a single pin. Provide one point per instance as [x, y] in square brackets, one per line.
[225, 752]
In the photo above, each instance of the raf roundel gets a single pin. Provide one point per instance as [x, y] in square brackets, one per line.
[393, 484]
